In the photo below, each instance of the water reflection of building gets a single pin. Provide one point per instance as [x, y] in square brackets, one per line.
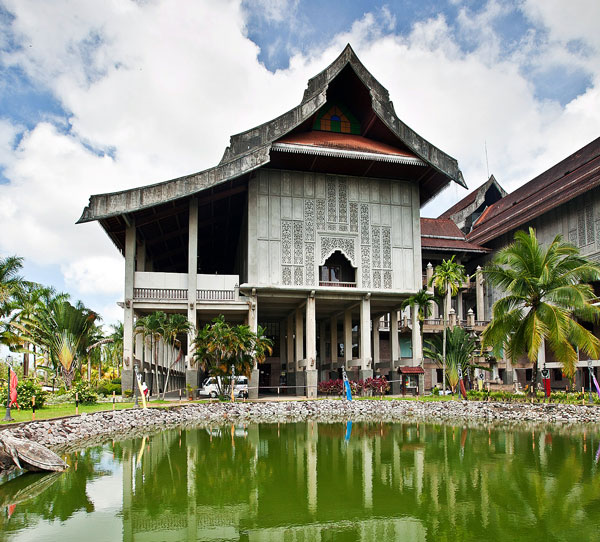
[388, 481]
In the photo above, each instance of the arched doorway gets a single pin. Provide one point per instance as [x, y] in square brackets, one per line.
[337, 271]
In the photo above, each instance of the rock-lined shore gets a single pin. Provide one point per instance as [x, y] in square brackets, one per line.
[94, 428]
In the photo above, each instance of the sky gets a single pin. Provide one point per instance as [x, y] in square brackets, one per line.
[103, 96]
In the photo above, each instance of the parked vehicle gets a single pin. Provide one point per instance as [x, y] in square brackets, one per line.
[209, 387]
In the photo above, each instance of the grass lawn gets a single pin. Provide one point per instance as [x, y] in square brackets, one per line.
[57, 411]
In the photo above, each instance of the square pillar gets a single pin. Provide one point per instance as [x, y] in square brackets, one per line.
[417, 352]
[334, 342]
[347, 337]
[322, 342]
[311, 348]
[365, 338]
[395, 352]
[300, 380]
[480, 307]
[290, 368]
[128, 324]
[253, 325]
[375, 324]
[191, 374]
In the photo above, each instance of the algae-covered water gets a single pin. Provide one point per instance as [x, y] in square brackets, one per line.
[317, 482]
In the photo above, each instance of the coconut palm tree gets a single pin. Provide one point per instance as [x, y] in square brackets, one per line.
[175, 325]
[547, 292]
[447, 278]
[11, 283]
[421, 302]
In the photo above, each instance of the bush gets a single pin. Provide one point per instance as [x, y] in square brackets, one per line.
[127, 393]
[436, 391]
[86, 392]
[26, 389]
[107, 388]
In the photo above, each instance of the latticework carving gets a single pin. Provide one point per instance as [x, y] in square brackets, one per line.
[331, 201]
[309, 219]
[364, 223]
[365, 258]
[343, 244]
[286, 242]
[387, 280]
[298, 273]
[298, 244]
[310, 263]
[320, 204]
[386, 248]
[343, 204]
[376, 244]
[286, 275]
[354, 216]
[377, 279]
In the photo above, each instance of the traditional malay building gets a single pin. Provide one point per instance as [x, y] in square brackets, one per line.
[563, 200]
[309, 226]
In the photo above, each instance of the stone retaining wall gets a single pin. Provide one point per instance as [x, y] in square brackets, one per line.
[94, 428]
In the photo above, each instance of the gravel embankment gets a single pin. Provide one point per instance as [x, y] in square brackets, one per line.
[94, 428]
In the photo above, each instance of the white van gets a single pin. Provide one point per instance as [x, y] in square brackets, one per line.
[209, 387]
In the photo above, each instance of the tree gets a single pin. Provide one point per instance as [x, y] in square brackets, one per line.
[64, 331]
[152, 326]
[460, 347]
[175, 325]
[11, 283]
[218, 346]
[421, 301]
[547, 293]
[447, 278]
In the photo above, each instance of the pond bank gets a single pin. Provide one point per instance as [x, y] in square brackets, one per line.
[65, 432]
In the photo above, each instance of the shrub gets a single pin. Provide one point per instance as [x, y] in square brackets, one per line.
[86, 392]
[107, 388]
[435, 391]
[26, 389]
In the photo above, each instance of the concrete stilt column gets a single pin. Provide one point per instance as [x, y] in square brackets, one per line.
[480, 306]
[375, 327]
[290, 368]
[395, 352]
[334, 342]
[253, 325]
[300, 374]
[366, 365]
[311, 348]
[452, 318]
[128, 323]
[322, 342]
[191, 375]
[347, 337]
[417, 351]
[429, 274]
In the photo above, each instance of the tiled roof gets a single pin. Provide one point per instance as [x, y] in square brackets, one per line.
[440, 226]
[411, 370]
[443, 234]
[568, 179]
[471, 197]
[344, 142]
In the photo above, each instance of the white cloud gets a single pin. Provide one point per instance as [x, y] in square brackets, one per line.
[162, 89]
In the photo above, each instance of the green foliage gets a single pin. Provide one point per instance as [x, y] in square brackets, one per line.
[546, 295]
[26, 389]
[87, 393]
[561, 397]
[107, 388]
[219, 345]
[460, 347]
[435, 391]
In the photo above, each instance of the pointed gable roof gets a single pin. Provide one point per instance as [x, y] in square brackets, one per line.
[252, 149]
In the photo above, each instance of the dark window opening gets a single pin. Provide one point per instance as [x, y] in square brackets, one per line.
[337, 271]
[557, 374]
[528, 374]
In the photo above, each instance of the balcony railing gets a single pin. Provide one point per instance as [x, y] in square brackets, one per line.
[215, 295]
[159, 293]
[338, 284]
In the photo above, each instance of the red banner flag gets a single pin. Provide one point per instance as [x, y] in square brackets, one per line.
[13, 389]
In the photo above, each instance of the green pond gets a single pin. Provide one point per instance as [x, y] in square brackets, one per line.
[317, 482]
